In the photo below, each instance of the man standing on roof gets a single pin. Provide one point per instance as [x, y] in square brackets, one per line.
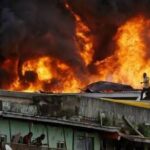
[145, 83]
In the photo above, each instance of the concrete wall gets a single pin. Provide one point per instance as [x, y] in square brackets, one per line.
[26, 109]
[58, 105]
[93, 108]
[77, 105]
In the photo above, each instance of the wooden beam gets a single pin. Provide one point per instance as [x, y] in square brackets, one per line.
[132, 127]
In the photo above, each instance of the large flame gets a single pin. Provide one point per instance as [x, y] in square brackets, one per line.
[41, 75]
[126, 65]
[129, 61]
[65, 77]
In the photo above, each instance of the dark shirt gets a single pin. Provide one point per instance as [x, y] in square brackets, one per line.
[37, 141]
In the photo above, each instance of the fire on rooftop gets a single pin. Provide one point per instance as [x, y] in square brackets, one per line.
[62, 46]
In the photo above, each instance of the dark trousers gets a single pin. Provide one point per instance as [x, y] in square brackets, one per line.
[142, 92]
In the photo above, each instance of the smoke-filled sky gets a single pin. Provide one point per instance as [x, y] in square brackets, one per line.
[33, 28]
[105, 16]
[25, 25]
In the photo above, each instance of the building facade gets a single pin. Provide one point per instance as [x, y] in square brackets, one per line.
[55, 136]
[70, 122]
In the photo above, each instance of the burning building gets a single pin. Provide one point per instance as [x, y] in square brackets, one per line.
[73, 122]
[63, 45]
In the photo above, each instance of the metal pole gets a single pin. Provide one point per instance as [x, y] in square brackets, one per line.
[47, 136]
[73, 140]
[9, 122]
[64, 138]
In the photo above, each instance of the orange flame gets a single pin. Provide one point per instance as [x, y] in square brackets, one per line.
[47, 70]
[126, 65]
[83, 37]
[40, 66]
[129, 61]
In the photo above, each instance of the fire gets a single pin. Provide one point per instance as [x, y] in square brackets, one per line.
[129, 60]
[83, 37]
[84, 40]
[49, 73]
[40, 66]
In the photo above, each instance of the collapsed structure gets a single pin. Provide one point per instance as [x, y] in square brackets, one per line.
[75, 121]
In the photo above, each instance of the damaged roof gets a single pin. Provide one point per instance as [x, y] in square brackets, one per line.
[107, 86]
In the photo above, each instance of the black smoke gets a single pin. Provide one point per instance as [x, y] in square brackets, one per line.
[33, 28]
[105, 16]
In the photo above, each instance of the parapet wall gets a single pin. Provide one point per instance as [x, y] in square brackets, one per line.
[93, 108]
[75, 105]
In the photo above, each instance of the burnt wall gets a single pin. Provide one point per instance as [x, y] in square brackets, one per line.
[93, 108]
[78, 106]
[58, 105]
